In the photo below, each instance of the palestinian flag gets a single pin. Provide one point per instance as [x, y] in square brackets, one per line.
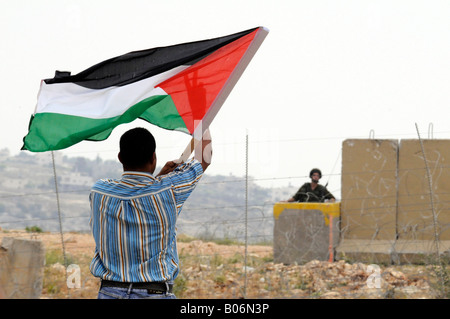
[176, 87]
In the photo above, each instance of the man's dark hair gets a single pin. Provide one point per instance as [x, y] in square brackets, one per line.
[137, 147]
[315, 170]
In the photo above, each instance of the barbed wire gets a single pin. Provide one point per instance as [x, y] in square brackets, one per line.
[232, 227]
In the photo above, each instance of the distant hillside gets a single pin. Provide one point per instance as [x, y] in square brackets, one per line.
[217, 208]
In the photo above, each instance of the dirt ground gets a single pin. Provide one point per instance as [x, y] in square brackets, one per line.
[210, 270]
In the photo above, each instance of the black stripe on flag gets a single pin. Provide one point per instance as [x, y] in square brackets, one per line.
[139, 65]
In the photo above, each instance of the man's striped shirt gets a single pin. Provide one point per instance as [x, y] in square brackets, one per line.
[133, 223]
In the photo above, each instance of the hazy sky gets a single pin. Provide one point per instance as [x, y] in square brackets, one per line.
[327, 71]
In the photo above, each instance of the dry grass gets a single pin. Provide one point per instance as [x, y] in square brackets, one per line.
[211, 271]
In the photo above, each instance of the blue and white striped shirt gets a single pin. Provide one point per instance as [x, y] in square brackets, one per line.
[133, 223]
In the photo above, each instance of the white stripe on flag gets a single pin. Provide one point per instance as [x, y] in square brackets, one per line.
[72, 99]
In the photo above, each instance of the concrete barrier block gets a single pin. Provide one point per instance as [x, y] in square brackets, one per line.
[305, 231]
[369, 193]
[366, 250]
[22, 268]
[420, 251]
[416, 218]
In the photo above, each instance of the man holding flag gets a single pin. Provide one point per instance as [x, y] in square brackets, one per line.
[133, 219]
[179, 87]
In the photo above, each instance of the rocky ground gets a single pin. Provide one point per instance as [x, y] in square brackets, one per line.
[210, 270]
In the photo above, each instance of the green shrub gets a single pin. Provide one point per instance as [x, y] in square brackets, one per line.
[34, 229]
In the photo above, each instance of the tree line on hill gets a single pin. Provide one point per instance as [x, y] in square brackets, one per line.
[218, 207]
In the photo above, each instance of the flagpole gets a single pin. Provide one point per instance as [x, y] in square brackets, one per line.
[223, 94]
[59, 214]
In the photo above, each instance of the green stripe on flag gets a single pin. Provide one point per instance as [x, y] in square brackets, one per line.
[45, 136]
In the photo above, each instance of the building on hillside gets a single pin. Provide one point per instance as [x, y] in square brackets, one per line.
[76, 179]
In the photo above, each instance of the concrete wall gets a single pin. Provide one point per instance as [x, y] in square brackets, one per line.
[386, 213]
[302, 231]
[369, 169]
[368, 203]
[21, 268]
[415, 225]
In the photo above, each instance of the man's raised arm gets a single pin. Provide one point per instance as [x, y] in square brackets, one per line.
[203, 152]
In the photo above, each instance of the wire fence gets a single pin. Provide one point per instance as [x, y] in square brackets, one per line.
[227, 249]
[215, 263]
